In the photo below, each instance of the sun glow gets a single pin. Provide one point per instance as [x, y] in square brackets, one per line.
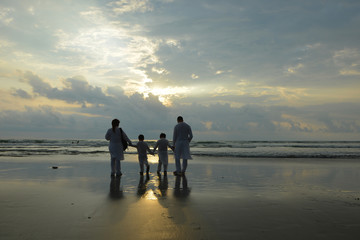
[166, 95]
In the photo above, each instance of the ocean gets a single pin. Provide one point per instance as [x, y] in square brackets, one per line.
[235, 149]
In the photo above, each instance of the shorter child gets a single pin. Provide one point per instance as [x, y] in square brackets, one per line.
[142, 148]
[163, 144]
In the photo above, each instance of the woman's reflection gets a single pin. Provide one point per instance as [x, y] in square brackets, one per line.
[115, 191]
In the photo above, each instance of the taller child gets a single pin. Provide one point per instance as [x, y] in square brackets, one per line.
[163, 145]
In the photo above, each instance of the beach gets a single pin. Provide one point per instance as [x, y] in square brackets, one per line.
[219, 198]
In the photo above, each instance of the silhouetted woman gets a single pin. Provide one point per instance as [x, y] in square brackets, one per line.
[115, 136]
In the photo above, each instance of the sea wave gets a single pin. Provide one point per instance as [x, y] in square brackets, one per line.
[236, 149]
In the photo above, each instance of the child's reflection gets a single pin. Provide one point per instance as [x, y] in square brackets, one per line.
[163, 185]
[142, 187]
[115, 191]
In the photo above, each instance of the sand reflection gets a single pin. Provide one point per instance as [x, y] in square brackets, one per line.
[163, 186]
[155, 215]
[181, 189]
[142, 186]
[115, 190]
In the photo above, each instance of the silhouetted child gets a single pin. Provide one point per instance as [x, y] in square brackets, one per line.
[142, 149]
[163, 145]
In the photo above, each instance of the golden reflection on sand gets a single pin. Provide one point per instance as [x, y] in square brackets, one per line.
[145, 219]
[153, 217]
[153, 159]
[150, 195]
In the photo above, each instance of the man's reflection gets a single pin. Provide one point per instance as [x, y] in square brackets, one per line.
[142, 187]
[115, 191]
[184, 191]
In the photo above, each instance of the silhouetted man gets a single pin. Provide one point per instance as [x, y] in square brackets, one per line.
[181, 139]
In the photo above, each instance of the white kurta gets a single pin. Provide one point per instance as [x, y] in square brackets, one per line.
[162, 144]
[115, 144]
[182, 149]
[163, 157]
[182, 137]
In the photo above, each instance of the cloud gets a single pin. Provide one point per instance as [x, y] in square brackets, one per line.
[194, 76]
[208, 124]
[150, 117]
[6, 15]
[124, 6]
[43, 121]
[294, 69]
[350, 72]
[144, 114]
[75, 90]
[21, 93]
[348, 60]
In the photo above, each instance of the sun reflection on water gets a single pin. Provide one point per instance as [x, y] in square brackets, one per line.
[153, 158]
[150, 195]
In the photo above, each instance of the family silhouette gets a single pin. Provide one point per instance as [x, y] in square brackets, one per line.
[118, 141]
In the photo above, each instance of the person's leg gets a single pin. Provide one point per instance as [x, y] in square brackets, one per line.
[112, 165]
[118, 167]
[147, 166]
[185, 163]
[159, 166]
[141, 164]
[178, 165]
[178, 149]
[165, 162]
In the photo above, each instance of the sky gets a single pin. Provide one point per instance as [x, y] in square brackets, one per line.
[234, 69]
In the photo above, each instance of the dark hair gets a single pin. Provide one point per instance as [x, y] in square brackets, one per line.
[141, 137]
[115, 123]
[180, 119]
[162, 135]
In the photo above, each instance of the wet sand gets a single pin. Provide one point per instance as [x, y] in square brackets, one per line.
[219, 198]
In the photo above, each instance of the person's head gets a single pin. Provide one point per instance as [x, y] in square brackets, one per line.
[180, 119]
[115, 123]
[141, 137]
[162, 135]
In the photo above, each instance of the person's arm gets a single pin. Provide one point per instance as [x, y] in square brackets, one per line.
[190, 134]
[169, 145]
[156, 146]
[149, 150]
[174, 136]
[108, 135]
[126, 138]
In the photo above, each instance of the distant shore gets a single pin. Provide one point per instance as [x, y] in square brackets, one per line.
[220, 198]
